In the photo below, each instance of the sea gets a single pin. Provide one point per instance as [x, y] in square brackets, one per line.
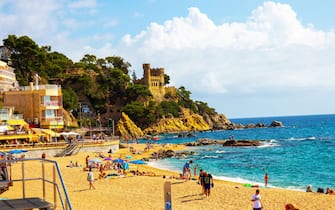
[300, 153]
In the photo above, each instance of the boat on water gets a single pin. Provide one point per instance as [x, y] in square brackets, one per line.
[155, 138]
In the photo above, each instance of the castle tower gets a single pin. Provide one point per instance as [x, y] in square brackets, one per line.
[154, 79]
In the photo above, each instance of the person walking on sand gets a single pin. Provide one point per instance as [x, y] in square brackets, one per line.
[86, 160]
[266, 179]
[256, 199]
[207, 183]
[201, 180]
[90, 179]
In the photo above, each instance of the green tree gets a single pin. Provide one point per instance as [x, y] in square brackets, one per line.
[170, 107]
[203, 108]
[70, 99]
[24, 55]
[137, 92]
[28, 58]
[118, 63]
[89, 59]
[184, 99]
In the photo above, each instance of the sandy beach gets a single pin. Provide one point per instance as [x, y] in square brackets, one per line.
[146, 192]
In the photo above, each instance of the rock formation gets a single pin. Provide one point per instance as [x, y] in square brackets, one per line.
[276, 123]
[126, 127]
[188, 122]
[218, 122]
[225, 143]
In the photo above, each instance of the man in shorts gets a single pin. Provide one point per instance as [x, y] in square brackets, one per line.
[256, 199]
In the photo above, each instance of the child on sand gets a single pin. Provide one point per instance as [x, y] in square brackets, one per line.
[90, 179]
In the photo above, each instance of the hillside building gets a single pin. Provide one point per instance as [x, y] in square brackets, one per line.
[7, 77]
[40, 105]
[154, 79]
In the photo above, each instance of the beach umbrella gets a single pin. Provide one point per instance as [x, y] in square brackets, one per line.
[119, 160]
[17, 151]
[71, 133]
[94, 160]
[138, 162]
[108, 158]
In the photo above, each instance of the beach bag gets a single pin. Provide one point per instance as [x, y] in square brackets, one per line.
[89, 177]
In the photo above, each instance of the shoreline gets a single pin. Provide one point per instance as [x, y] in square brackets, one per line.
[146, 192]
[238, 181]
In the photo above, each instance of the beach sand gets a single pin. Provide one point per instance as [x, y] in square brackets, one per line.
[146, 192]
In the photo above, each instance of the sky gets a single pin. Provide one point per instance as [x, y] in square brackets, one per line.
[245, 58]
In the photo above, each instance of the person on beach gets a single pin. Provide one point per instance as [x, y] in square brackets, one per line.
[266, 179]
[309, 188]
[207, 183]
[195, 170]
[256, 199]
[187, 169]
[86, 160]
[90, 179]
[201, 180]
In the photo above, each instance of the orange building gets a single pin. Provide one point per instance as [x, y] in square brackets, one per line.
[39, 104]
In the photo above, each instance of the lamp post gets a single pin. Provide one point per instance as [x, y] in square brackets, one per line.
[111, 124]
[113, 127]
[89, 123]
[80, 115]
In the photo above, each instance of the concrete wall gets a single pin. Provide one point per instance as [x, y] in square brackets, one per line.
[51, 152]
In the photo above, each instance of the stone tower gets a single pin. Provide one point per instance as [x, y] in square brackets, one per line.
[154, 79]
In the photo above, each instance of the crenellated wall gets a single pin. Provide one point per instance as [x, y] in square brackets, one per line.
[154, 79]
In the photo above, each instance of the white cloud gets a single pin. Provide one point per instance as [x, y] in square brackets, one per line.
[271, 50]
[82, 4]
[28, 17]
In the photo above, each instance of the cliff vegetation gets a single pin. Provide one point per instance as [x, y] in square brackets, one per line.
[102, 92]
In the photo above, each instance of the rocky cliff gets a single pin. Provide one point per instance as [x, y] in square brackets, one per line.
[126, 127]
[218, 122]
[187, 122]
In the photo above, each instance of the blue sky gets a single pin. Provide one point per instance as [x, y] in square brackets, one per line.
[244, 58]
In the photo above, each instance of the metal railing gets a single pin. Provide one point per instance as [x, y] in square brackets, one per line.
[58, 188]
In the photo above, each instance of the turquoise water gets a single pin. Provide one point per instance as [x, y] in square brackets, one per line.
[299, 154]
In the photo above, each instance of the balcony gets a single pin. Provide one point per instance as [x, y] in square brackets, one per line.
[51, 103]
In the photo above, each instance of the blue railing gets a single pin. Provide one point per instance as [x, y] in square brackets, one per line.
[60, 188]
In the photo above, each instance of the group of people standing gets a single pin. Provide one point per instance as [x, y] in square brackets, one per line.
[205, 179]
[206, 182]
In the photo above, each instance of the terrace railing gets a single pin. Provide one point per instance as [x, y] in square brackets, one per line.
[59, 192]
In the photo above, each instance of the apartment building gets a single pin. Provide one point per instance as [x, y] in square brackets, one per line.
[7, 77]
[40, 105]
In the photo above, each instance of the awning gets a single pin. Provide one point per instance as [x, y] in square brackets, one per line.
[10, 137]
[16, 122]
[4, 128]
[46, 131]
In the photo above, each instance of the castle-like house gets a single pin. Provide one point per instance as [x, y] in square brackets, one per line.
[154, 79]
